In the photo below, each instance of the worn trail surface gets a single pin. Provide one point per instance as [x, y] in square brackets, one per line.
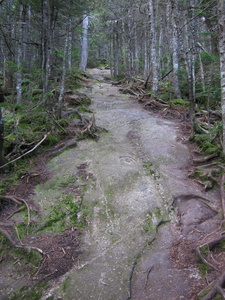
[139, 178]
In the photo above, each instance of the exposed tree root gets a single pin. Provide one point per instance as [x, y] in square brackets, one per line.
[217, 288]
[205, 159]
[62, 146]
[15, 244]
[8, 223]
[222, 193]
[218, 283]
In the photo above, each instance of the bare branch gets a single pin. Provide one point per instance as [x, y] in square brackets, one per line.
[38, 144]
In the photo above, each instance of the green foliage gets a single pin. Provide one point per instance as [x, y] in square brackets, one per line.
[30, 292]
[148, 166]
[180, 102]
[74, 78]
[63, 122]
[208, 96]
[210, 142]
[203, 270]
[26, 126]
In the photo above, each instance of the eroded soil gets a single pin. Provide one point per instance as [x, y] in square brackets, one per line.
[146, 217]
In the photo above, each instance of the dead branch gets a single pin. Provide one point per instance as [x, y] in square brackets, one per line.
[164, 76]
[38, 144]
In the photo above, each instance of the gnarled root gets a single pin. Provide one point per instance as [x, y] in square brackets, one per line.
[216, 289]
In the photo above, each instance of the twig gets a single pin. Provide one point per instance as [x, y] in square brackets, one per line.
[38, 144]
[39, 268]
[17, 232]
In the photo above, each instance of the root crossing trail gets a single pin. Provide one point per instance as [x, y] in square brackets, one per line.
[139, 178]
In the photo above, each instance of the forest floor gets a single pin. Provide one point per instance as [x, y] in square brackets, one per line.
[147, 217]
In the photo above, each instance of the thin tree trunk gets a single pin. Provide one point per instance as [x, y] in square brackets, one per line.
[63, 76]
[221, 15]
[70, 41]
[46, 47]
[28, 47]
[175, 44]
[84, 51]
[136, 49]
[124, 49]
[19, 56]
[2, 160]
[202, 73]
[146, 57]
[154, 60]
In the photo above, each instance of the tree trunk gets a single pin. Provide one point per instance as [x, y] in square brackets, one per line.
[2, 160]
[46, 47]
[19, 56]
[124, 49]
[84, 51]
[221, 15]
[154, 60]
[175, 44]
[146, 54]
[70, 41]
[63, 76]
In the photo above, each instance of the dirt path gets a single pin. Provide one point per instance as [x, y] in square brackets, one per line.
[132, 246]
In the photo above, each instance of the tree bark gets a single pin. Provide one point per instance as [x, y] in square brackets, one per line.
[19, 56]
[2, 160]
[175, 44]
[84, 51]
[63, 76]
[154, 60]
[70, 41]
[221, 20]
[46, 47]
